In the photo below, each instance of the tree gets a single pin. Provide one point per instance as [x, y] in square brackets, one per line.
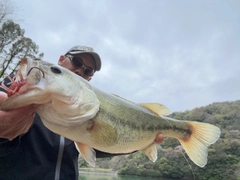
[6, 10]
[13, 44]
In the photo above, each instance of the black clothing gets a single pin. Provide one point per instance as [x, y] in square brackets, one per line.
[34, 155]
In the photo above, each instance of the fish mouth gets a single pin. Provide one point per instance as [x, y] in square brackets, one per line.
[26, 87]
[21, 82]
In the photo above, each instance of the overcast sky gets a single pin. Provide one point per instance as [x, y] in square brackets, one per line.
[180, 53]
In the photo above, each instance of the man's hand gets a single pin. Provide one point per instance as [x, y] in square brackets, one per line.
[15, 122]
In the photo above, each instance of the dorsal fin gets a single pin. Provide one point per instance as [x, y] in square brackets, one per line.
[156, 108]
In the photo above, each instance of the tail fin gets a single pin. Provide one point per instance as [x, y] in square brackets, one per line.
[196, 146]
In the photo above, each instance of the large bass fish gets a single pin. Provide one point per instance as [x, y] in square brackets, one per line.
[73, 108]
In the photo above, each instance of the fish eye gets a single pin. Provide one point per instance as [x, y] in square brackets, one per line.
[56, 70]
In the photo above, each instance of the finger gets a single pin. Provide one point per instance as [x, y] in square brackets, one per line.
[29, 124]
[17, 116]
[3, 96]
[159, 138]
[11, 131]
[26, 110]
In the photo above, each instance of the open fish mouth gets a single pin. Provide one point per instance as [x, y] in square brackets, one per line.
[15, 85]
[20, 82]
[29, 78]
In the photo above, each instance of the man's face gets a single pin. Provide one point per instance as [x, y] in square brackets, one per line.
[85, 59]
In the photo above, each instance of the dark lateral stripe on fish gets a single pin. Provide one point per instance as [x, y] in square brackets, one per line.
[146, 127]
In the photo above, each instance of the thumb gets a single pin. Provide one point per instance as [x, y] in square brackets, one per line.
[3, 96]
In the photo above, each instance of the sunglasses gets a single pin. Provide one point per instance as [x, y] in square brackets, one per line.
[78, 63]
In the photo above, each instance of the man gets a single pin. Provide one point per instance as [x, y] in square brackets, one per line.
[28, 150]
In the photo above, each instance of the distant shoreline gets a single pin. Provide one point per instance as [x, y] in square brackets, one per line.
[97, 171]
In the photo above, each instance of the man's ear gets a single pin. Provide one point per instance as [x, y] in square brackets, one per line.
[89, 79]
[60, 60]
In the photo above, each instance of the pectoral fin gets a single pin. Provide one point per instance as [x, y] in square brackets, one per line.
[87, 153]
[151, 152]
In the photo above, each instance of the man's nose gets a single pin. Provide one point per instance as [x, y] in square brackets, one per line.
[79, 71]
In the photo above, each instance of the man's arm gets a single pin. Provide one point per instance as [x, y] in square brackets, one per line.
[13, 124]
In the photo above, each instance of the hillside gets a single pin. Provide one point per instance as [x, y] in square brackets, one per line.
[223, 157]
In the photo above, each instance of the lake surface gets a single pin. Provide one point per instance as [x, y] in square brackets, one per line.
[106, 176]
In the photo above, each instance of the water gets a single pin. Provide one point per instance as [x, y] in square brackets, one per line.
[106, 176]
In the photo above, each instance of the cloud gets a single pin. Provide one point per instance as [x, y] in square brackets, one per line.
[183, 54]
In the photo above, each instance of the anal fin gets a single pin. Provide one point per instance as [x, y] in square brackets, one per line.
[151, 152]
[87, 153]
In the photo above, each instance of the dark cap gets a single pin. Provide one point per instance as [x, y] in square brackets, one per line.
[84, 49]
